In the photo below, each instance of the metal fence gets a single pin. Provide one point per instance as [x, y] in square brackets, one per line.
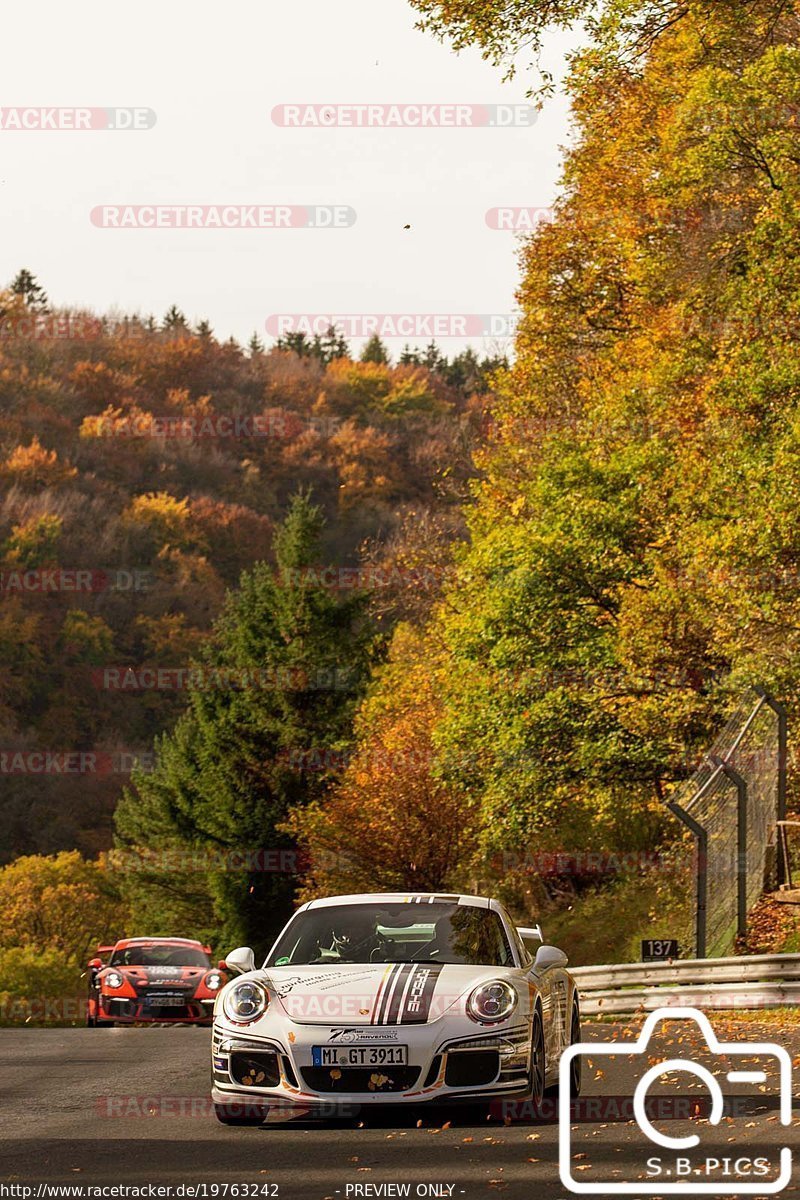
[732, 805]
[759, 981]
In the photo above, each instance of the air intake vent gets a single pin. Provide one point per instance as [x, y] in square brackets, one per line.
[471, 1068]
[255, 1068]
[433, 1073]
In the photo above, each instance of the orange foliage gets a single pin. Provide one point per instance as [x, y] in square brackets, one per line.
[34, 466]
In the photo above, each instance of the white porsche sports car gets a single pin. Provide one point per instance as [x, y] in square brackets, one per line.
[394, 999]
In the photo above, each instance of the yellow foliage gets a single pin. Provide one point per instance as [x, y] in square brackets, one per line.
[35, 466]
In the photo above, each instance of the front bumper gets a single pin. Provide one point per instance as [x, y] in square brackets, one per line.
[140, 1010]
[463, 1065]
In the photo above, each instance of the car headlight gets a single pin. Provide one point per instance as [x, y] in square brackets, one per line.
[493, 1001]
[113, 979]
[213, 981]
[246, 1001]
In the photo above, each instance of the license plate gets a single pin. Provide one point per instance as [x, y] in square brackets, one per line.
[164, 1001]
[359, 1056]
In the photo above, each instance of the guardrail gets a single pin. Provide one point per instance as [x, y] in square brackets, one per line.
[755, 981]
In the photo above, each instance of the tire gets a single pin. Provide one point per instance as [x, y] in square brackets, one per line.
[95, 1023]
[575, 1066]
[228, 1114]
[538, 1064]
[574, 1038]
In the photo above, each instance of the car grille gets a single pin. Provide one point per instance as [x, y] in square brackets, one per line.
[174, 1011]
[358, 1079]
[134, 1008]
[471, 1068]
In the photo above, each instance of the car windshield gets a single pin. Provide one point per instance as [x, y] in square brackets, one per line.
[159, 956]
[394, 932]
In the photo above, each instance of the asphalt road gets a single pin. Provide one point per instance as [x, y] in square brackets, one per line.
[130, 1106]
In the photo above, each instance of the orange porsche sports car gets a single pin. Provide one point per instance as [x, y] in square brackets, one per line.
[153, 979]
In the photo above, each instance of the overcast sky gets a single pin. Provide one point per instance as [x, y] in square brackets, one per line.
[213, 75]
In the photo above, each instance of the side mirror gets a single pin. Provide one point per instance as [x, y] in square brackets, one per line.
[222, 965]
[96, 964]
[241, 960]
[549, 956]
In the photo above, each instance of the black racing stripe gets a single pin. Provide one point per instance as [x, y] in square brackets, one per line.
[380, 1016]
[401, 980]
[418, 999]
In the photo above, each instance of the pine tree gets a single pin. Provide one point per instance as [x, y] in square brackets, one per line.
[295, 341]
[374, 351]
[27, 287]
[409, 357]
[293, 658]
[332, 346]
[255, 345]
[326, 348]
[433, 358]
[174, 319]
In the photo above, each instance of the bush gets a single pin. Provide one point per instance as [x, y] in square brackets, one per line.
[39, 987]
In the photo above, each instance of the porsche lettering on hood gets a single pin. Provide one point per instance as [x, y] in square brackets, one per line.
[383, 995]
[406, 994]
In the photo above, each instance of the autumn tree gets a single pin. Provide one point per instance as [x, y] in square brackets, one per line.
[61, 902]
[633, 555]
[152, 465]
[391, 824]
